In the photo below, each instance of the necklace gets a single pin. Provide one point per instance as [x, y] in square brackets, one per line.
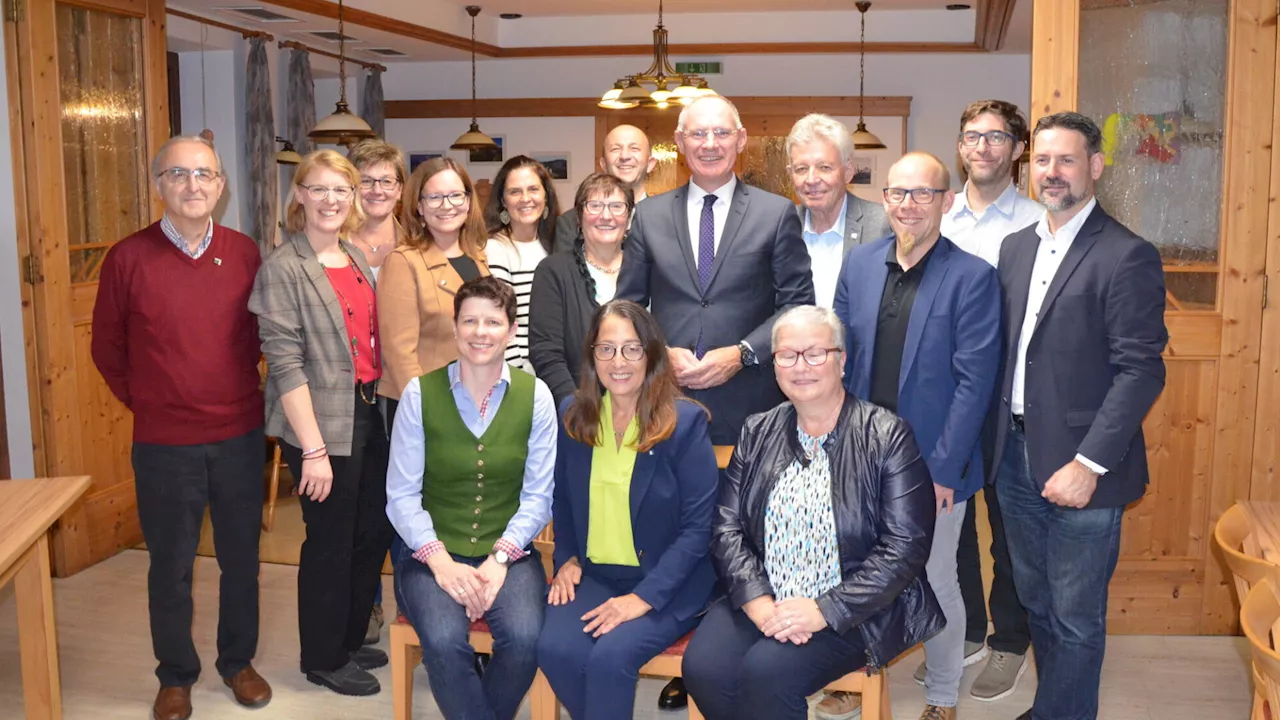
[373, 322]
[601, 268]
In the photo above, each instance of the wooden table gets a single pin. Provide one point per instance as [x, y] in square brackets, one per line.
[723, 454]
[27, 510]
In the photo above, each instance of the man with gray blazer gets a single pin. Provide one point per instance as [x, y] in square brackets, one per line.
[717, 261]
[820, 160]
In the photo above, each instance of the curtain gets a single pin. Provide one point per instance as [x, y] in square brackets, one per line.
[260, 148]
[301, 113]
[371, 107]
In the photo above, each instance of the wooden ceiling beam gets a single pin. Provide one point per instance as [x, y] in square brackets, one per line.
[586, 107]
[992, 24]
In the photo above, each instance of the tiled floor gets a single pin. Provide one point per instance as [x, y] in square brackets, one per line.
[107, 663]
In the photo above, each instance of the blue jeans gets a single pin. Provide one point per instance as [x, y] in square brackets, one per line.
[1063, 560]
[515, 619]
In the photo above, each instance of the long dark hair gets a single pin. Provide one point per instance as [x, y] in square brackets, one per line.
[656, 410]
[493, 208]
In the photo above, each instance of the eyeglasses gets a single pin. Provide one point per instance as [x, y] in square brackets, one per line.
[720, 134]
[921, 196]
[341, 193]
[995, 138]
[436, 200]
[178, 176]
[803, 170]
[597, 207]
[813, 357]
[605, 351]
[386, 183]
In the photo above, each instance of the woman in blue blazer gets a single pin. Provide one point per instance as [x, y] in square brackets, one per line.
[635, 487]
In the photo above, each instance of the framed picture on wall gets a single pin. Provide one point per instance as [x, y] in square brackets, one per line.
[488, 155]
[556, 163]
[421, 156]
[864, 170]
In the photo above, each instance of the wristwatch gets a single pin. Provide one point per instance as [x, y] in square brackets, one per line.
[502, 558]
[747, 355]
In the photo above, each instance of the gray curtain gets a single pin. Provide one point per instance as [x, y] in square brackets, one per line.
[259, 148]
[371, 108]
[301, 91]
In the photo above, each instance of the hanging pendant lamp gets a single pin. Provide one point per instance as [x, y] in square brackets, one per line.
[864, 139]
[343, 127]
[473, 139]
[660, 86]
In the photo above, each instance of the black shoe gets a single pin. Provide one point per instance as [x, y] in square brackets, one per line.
[482, 663]
[346, 680]
[673, 696]
[369, 658]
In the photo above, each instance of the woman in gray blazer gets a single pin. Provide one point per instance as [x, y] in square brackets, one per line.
[315, 302]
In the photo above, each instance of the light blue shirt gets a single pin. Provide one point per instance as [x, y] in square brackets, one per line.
[409, 452]
[982, 235]
[826, 255]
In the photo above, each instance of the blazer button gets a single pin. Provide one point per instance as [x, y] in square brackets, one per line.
[705, 303]
[442, 283]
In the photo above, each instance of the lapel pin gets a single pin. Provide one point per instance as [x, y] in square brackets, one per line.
[217, 261]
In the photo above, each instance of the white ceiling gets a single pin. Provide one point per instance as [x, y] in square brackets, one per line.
[641, 7]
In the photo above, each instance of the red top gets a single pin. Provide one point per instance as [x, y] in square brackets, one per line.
[360, 311]
[174, 338]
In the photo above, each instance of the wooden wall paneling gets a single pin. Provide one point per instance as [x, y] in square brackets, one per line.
[1247, 208]
[992, 23]
[1055, 32]
[1265, 483]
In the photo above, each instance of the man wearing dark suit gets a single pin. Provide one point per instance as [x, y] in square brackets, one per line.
[1084, 328]
[627, 156]
[820, 160]
[922, 329]
[717, 261]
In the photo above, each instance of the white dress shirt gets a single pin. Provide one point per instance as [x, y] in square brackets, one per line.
[826, 255]
[983, 234]
[719, 210]
[1049, 254]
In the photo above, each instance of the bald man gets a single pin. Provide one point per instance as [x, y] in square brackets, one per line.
[922, 333]
[625, 155]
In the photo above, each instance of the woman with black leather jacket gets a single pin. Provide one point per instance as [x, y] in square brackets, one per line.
[820, 537]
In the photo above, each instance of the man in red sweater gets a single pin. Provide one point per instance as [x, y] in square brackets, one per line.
[176, 343]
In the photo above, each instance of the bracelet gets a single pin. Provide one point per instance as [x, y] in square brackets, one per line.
[316, 457]
[314, 450]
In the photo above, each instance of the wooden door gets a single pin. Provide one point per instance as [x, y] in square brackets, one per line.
[1185, 92]
[87, 81]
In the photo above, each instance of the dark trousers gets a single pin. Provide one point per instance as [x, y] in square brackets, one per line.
[174, 485]
[595, 678]
[1063, 560]
[1010, 620]
[734, 672]
[347, 539]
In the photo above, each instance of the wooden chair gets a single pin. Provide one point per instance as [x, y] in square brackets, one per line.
[273, 485]
[1260, 618]
[1233, 536]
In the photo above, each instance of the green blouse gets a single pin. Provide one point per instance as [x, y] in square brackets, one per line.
[609, 538]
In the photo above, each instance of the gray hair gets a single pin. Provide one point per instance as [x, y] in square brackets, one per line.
[178, 140]
[733, 110]
[804, 315]
[816, 126]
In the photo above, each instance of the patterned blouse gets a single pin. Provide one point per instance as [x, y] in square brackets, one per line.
[801, 554]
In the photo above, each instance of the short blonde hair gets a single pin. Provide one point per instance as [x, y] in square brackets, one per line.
[371, 152]
[295, 215]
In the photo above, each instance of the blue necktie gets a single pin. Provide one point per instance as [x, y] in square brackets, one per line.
[706, 254]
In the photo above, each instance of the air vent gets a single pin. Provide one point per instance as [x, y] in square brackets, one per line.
[386, 52]
[258, 13]
[333, 36]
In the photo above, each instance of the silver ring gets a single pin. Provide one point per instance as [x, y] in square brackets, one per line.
[788, 623]
[462, 591]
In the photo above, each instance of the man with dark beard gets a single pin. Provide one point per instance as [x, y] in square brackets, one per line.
[1084, 329]
[922, 339]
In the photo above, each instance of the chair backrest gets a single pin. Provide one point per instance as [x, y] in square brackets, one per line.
[1229, 533]
[1258, 616]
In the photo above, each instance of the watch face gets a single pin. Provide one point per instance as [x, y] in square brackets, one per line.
[501, 557]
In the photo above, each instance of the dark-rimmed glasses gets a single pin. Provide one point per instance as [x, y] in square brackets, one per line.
[179, 176]
[435, 200]
[813, 357]
[597, 207]
[995, 138]
[921, 196]
[631, 352]
[386, 183]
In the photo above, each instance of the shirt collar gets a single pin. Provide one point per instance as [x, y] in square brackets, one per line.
[838, 228]
[455, 374]
[724, 192]
[891, 258]
[1004, 204]
[171, 230]
[1067, 233]
[641, 195]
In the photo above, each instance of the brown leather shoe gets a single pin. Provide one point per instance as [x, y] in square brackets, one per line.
[172, 703]
[249, 688]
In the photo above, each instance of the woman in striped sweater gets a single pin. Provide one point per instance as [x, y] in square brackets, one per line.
[521, 217]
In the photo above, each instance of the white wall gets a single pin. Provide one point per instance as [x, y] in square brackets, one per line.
[17, 409]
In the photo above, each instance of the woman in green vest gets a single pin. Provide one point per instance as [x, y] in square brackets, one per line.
[469, 486]
[635, 488]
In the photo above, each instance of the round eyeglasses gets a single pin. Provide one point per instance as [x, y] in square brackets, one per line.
[341, 193]
[605, 351]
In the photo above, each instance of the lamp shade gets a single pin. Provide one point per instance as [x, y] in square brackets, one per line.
[864, 139]
[288, 156]
[473, 139]
[341, 128]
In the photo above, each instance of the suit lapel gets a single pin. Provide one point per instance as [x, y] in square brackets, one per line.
[867, 318]
[934, 273]
[680, 219]
[852, 223]
[641, 479]
[1018, 290]
[737, 211]
[315, 272]
[1080, 246]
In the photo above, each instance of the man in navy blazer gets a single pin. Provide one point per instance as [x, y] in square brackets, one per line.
[717, 261]
[922, 329]
[1084, 329]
